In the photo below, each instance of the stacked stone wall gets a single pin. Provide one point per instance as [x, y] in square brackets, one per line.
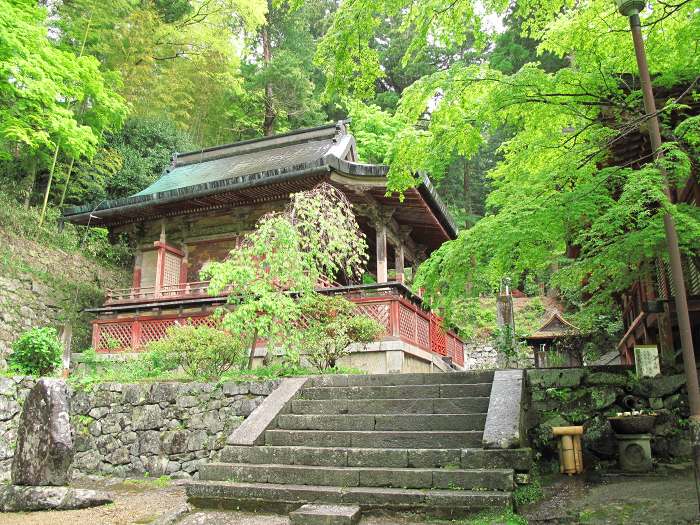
[481, 356]
[133, 429]
[41, 286]
[588, 396]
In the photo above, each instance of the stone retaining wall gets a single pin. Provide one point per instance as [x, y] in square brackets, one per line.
[481, 356]
[132, 429]
[42, 286]
[587, 396]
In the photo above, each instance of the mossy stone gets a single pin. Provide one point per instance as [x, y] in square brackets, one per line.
[556, 378]
[607, 378]
[604, 396]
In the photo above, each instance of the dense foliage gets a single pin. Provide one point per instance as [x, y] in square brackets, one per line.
[36, 352]
[332, 325]
[559, 211]
[513, 108]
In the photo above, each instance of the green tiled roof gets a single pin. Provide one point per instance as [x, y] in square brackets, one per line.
[278, 159]
[239, 165]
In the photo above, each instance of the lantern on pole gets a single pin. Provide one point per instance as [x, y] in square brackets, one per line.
[630, 7]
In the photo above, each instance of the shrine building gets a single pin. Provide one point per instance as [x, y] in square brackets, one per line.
[203, 204]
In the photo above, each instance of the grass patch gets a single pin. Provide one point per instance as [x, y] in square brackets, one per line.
[92, 243]
[487, 517]
[147, 367]
[275, 371]
[161, 482]
[530, 493]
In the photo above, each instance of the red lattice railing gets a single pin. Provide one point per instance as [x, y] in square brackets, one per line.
[392, 306]
[134, 333]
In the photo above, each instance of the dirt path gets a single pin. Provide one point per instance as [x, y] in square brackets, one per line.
[138, 502]
[593, 500]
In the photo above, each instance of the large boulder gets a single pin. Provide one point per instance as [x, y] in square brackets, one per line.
[44, 450]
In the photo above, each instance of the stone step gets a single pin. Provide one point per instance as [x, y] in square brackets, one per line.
[519, 459]
[345, 456]
[373, 439]
[285, 498]
[382, 422]
[396, 392]
[459, 405]
[325, 515]
[472, 376]
[417, 478]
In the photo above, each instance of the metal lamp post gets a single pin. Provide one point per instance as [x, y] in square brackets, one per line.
[631, 9]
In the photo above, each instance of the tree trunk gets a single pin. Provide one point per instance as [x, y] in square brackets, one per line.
[31, 179]
[269, 120]
[65, 187]
[48, 184]
[252, 349]
[467, 194]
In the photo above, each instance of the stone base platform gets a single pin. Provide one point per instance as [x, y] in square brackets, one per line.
[20, 498]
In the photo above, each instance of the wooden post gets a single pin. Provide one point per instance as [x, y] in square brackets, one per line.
[160, 262]
[136, 279]
[95, 336]
[160, 269]
[66, 336]
[399, 263]
[394, 318]
[183, 266]
[381, 254]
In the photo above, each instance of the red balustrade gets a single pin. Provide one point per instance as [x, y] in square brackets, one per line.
[393, 306]
[149, 293]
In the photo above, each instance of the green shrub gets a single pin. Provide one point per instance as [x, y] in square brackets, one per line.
[36, 352]
[333, 324]
[201, 351]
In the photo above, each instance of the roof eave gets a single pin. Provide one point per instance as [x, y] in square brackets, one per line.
[118, 207]
[425, 188]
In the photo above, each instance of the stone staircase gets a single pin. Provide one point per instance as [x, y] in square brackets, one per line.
[408, 442]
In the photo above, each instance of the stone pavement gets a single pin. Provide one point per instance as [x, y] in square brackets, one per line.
[666, 497]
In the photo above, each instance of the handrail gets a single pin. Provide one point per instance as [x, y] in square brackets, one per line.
[406, 292]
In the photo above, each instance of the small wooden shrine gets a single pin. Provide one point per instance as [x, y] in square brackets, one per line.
[548, 343]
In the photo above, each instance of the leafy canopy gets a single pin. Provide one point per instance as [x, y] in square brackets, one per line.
[49, 96]
[558, 210]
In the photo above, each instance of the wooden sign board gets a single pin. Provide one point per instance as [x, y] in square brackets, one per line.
[646, 361]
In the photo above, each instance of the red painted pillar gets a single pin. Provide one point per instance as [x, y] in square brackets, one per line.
[95, 336]
[394, 318]
[135, 335]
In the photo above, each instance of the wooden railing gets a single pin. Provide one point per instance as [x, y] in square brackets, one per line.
[149, 293]
[392, 305]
